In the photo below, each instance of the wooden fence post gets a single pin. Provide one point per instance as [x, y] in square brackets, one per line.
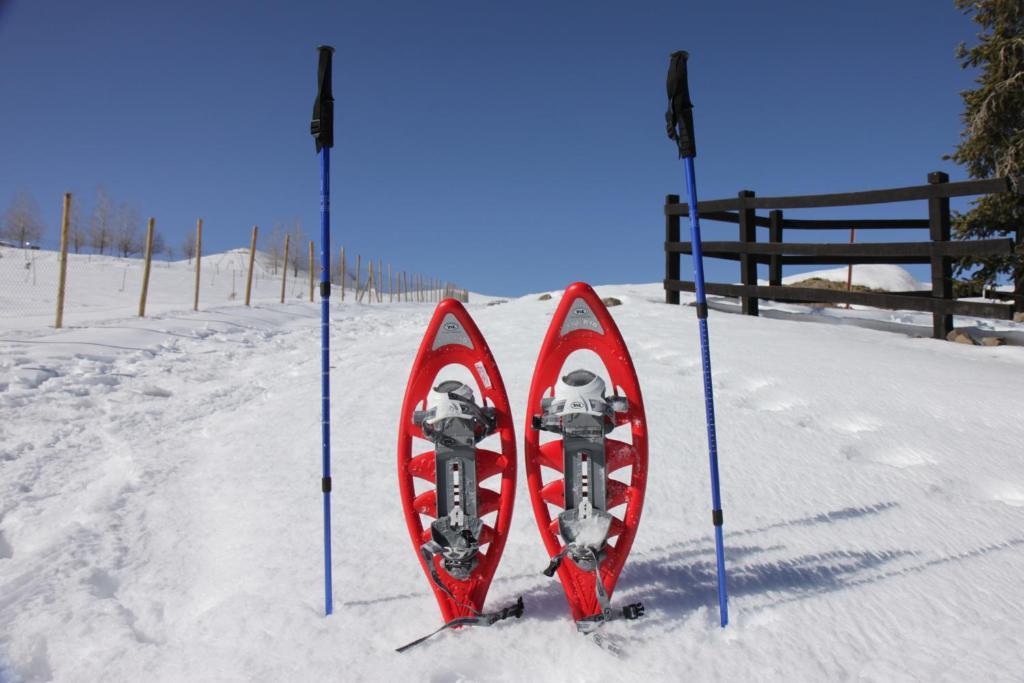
[252, 264]
[380, 280]
[199, 256]
[370, 282]
[671, 258]
[748, 264]
[284, 275]
[391, 286]
[146, 268]
[775, 236]
[942, 266]
[62, 278]
[311, 271]
[359, 275]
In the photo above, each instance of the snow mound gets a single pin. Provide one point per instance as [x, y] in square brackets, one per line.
[886, 277]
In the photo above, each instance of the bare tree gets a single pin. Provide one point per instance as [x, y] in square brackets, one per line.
[296, 256]
[276, 243]
[126, 236]
[159, 245]
[101, 224]
[168, 251]
[76, 231]
[21, 222]
[188, 247]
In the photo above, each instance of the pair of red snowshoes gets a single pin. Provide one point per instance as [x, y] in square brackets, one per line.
[586, 484]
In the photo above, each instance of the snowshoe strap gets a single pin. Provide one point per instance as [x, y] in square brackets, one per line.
[487, 619]
[429, 550]
[556, 562]
[596, 621]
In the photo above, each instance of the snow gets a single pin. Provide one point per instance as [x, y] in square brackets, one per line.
[160, 507]
[887, 277]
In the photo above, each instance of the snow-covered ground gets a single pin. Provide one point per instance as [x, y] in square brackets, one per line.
[160, 507]
[100, 287]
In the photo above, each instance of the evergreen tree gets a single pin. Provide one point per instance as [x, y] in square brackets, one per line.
[992, 142]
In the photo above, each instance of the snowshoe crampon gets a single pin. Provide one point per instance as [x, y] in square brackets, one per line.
[457, 496]
[594, 483]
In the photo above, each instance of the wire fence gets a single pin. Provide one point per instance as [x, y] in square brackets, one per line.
[102, 286]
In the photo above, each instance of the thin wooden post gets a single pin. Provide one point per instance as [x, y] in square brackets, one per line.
[359, 275]
[146, 268]
[62, 279]
[391, 286]
[311, 271]
[199, 257]
[405, 286]
[341, 259]
[671, 258]
[380, 280]
[370, 282]
[748, 264]
[252, 265]
[942, 266]
[775, 236]
[284, 274]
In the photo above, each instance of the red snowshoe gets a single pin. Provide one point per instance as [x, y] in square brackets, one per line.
[464, 492]
[594, 483]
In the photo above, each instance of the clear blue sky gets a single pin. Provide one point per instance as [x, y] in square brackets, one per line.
[511, 147]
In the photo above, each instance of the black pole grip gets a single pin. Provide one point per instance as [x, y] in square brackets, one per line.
[679, 117]
[322, 125]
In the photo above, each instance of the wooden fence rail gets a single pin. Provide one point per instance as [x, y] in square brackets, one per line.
[939, 252]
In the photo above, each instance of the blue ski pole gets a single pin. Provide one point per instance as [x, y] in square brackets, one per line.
[680, 128]
[322, 128]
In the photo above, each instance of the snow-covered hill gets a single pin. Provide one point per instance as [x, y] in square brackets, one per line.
[160, 504]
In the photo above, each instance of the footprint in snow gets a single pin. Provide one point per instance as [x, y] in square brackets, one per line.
[854, 423]
[1004, 492]
[900, 456]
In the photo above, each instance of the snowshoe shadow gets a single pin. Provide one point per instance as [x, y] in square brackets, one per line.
[682, 577]
[672, 581]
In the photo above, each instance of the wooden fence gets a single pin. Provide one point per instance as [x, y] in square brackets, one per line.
[376, 285]
[939, 251]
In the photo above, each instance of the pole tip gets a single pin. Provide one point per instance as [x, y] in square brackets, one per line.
[683, 53]
[325, 47]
